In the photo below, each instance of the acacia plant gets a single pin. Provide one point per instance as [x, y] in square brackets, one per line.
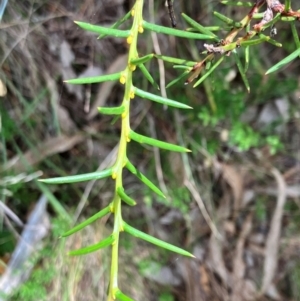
[213, 56]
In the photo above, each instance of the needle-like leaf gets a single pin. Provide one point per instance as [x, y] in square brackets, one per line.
[104, 30]
[176, 80]
[247, 58]
[224, 18]
[211, 70]
[284, 62]
[143, 178]
[160, 99]
[112, 111]
[137, 233]
[148, 76]
[237, 3]
[79, 178]
[102, 244]
[254, 41]
[90, 220]
[157, 143]
[94, 79]
[142, 60]
[295, 34]
[242, 71]
[176, 32]
[287, 5]
[122, 297]
[127, 199]
[175, 60]
[198, 26]
[117, 24]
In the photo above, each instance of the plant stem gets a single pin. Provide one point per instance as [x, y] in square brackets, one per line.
[126, 78]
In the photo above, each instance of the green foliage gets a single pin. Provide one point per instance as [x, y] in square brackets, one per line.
[274, 144]
[127, 134]
[36, 287]
[181, 199]
[33, 291]
[8, 124]
[285, 61]
[147, 265]
[166, 297]
[231, 104]
[228, 102]
[236, 41]
[7, 242]
[243, 136]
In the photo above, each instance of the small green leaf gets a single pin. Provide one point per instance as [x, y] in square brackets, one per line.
[284, 62]
[160, 99]
[112, 111]
[120, 296]
[208, 65]
[157, 143]
[142, 60]
[176, 80]
[247, 58]
[188, 69]
[258, 16]
[288, 19]
[211, 70]
[198, 26]
[155, 241]
[269, 40]
[143, 178]
[104, 30]
[94, 79]
[117, 24]
[237, 3]
[102, 244]
[224, 18]
[242, 71]
[253, 42]
[287, 5]
[128, 200]
[90, 220]
[79, 178]
[175, 60]
[274, 42]
[295, 34]
[148, 76]
[176, 32]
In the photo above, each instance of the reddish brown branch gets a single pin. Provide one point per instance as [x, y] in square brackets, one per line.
[228, 44]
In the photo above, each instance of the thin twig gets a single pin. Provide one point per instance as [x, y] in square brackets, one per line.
[193, 190]
[272, 243]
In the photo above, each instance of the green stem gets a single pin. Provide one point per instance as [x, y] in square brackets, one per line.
[126, 78]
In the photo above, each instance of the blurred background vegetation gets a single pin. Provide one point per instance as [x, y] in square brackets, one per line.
[244, 166]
